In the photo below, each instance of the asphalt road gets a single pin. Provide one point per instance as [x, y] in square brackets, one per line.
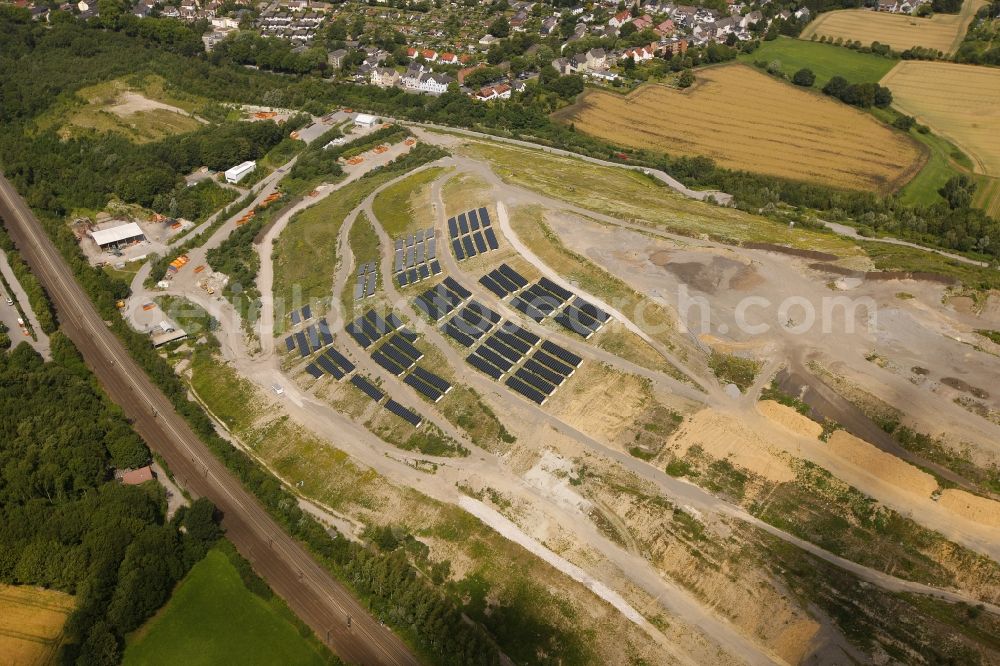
[319, 600]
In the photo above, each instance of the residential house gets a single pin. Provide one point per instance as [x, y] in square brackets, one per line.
[665, 28]
[385, 77]
[411, 79]
[549, 25]
[336, 58]
[448, 59]
[596, 59]
[620, 19]
[434, 83]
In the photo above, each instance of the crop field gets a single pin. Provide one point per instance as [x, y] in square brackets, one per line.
[943, 32]
[825, 60]
[959, 102]
[745, 119]
[987, 195]
[31, 623]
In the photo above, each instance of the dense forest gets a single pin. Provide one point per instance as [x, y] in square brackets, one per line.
[65, 523]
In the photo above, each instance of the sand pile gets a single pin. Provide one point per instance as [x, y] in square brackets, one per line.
[789, 419]
[973, 507]
[882, 465]
[722, 436]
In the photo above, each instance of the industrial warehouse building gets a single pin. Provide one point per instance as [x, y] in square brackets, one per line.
[239, 172]
[365, 120]
[115, 237]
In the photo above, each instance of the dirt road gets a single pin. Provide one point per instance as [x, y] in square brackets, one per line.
[323, 603]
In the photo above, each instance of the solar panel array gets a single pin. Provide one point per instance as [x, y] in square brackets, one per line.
[330, 362]
[299, 316]
[439, 301]
[544, 299]
[415, 258]
[372, 327]
[310, 339]
[366, 386]
[506, 352]
[367, 280]
[471, 233]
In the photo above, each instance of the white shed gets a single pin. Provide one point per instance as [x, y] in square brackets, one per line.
[240, 171]
[365, 120]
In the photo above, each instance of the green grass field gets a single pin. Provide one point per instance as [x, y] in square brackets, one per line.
[825, 60]
[945, 161]
[212, 618]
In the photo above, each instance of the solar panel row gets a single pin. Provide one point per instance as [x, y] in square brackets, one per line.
[432, 379]
[340, 359]
[330, 367]
[442, 299]
[402, 412]
[422, 387]
[314, 371]
[367, 388]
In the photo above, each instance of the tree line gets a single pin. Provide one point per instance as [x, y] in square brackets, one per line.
[65, 523]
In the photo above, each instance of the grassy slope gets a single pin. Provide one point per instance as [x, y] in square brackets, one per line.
[631, 195]
[212, 618]
[394, 205]
[305, 253]
[825, 60]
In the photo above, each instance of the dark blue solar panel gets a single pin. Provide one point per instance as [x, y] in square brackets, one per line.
[432, 379]
[503, 281]
[422, 387]
[295, 317]
[545, 373]
[535, 381]
[402, 412]
[367, 388]
[435, 267]
[512, 275]
[495, 358]
[470, 249]
[554, 363]
[423, 272]
[358, 336]
[479, 363]
[480, 243]
[397, 357]
[395, 323]
[473, 219]
[491, 284]
[340, 359]
[453, 331]
[526, 390]
[562, 354]
[463, 224]
[402, 279]
[591, 309]
[367, 328]
[290, 343]
[496, 345]
[406, 347]
[452, 227]
[314, 371]
[300, 339]
[328, 365]
[306, 312]
[484, 217]
[513, 341]
[457, 246]
[527, 308]
[411, 275]
[491, 238]
[522, 333]
[558, 290]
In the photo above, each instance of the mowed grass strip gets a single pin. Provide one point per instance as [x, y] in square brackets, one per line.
[959, 102]
[943, 32]
[825, 60]
[631, 195]
[745, 119]
[31, 623]
[405, 206]
[212, 618]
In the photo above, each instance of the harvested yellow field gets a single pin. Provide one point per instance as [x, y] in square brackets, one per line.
[943, 32]
[744, 119]
[959, 102]
[31, 624]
